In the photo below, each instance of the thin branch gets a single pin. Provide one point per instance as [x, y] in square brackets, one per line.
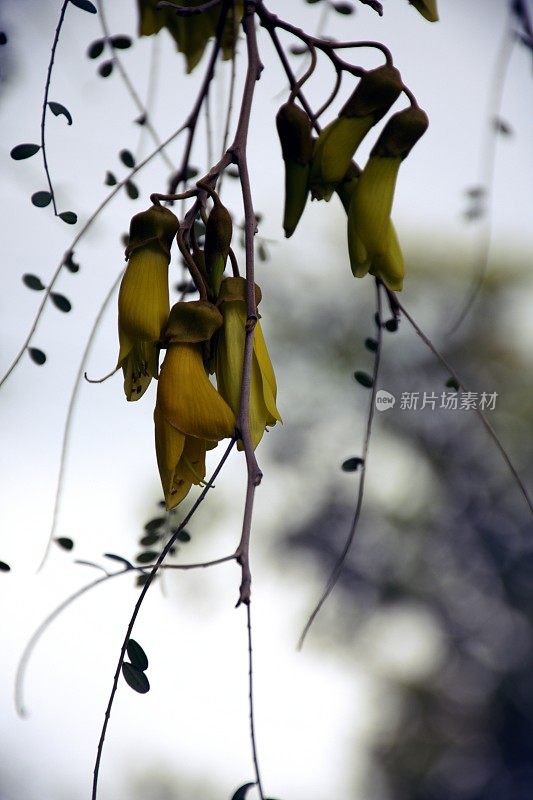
[490, 430]
[251, 704]
[339, 564]
[137, 608]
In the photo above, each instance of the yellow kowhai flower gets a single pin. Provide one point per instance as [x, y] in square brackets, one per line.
[372, 242]
[190, 416]
[230, 358]
[143, 303]
[428, 9]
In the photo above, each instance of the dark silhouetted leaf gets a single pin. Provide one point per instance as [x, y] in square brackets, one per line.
[391, 325]
[58, 109]
[191, 172]
[364, 379]
[4, 567]
[137, 655]
[474, 213]
[298, 49]
[262, 252]
[105, 69]
[146, 556]
[501, 126]
[120, 559]
[96, 48]
[352, 464]
[241, 792]
[69, 262]
[33, 282]
[140, 580]
[61, 302]
[343, 8]
[121, 42]
[452, 384]
[476, 192]
[183, 536]
[148, 541]
[125, 239]
[135, 678]
[41, 199]
[3, 38]
[85, 5]
[25, 150]
[371, 345]
[127, 158]
[232, 172]
[110, 179]
[141, 120]
[186, 287]
[155, 523]
[69, 217]
[37, 355]
[65, 543]
[131, 189]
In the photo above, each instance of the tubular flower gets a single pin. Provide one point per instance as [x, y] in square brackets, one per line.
[143, 304]
[190, 416]
[230, 357]
[294, 131]
[428, 9]
[372, 242]
[375, 93]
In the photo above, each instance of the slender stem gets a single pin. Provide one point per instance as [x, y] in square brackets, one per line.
[45, 100]
[251, 704]
[488, 427]
[137, 608]
[193, 269]
[339, 564]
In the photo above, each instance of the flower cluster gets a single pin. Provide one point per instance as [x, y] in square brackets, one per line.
[325, 165]
[208, 335]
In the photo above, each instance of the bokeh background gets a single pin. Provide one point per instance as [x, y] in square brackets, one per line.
[415, 681]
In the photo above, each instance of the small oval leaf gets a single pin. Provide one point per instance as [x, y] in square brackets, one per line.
[141, 120]
[37, 355]
[352, 464]
[25, 150]
[121, 559]
[61, 302]
[65, 543]
[135, 678]
[343, 8]
[59, 110]
[105, 69]
[41, 199]
[391, 325]
[96, 48]
[137, 655]
[148, 541]
[451, 383]
[110, 179]
[3, 38]
[132, 191]
[146, 557]
[155, 523]
[69, 262]
[85, 5]
[364, 379]
[371, 345]
[33, 282]
[121, 42]
[241, 792]
[183, 536]
[69, 217]
[127, 158]
[4, 567]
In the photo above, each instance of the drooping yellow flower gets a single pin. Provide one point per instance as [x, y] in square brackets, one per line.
[294, 131]
[190, 416]
[143, 303]
[230, 357]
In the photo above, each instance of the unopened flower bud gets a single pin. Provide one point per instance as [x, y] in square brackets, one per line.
[294, 130]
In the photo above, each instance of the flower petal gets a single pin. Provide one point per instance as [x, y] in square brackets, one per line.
[169, 445]
[143, 304]
[371, 204]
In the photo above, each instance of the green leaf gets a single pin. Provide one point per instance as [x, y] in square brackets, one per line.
[452, 384]
[364, 379]
[85, 5]
[191, 172]
[371, 345]
[352, 464]
[33, 282]
[69, 262]
[131, 189]
[343, 8]
[127, 158]
[146, 556]
[110, 179]
[121, 42]
[25, 150]
[149, 540]
[141, 120]
[121, 559]
[4, 567]
[3, 38]
[240, 794]
[501, 126]
[262, 252]
[105, 69]
[96, 48]
[135, 678]
[155, 523]
[58, 109]
[232, 172]
[298, 49]
[61, 302]
[183, 536]
[391, 325]
[41, 199]
[69, 217]
[64, 542]
[37, 355]
[137, 655]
